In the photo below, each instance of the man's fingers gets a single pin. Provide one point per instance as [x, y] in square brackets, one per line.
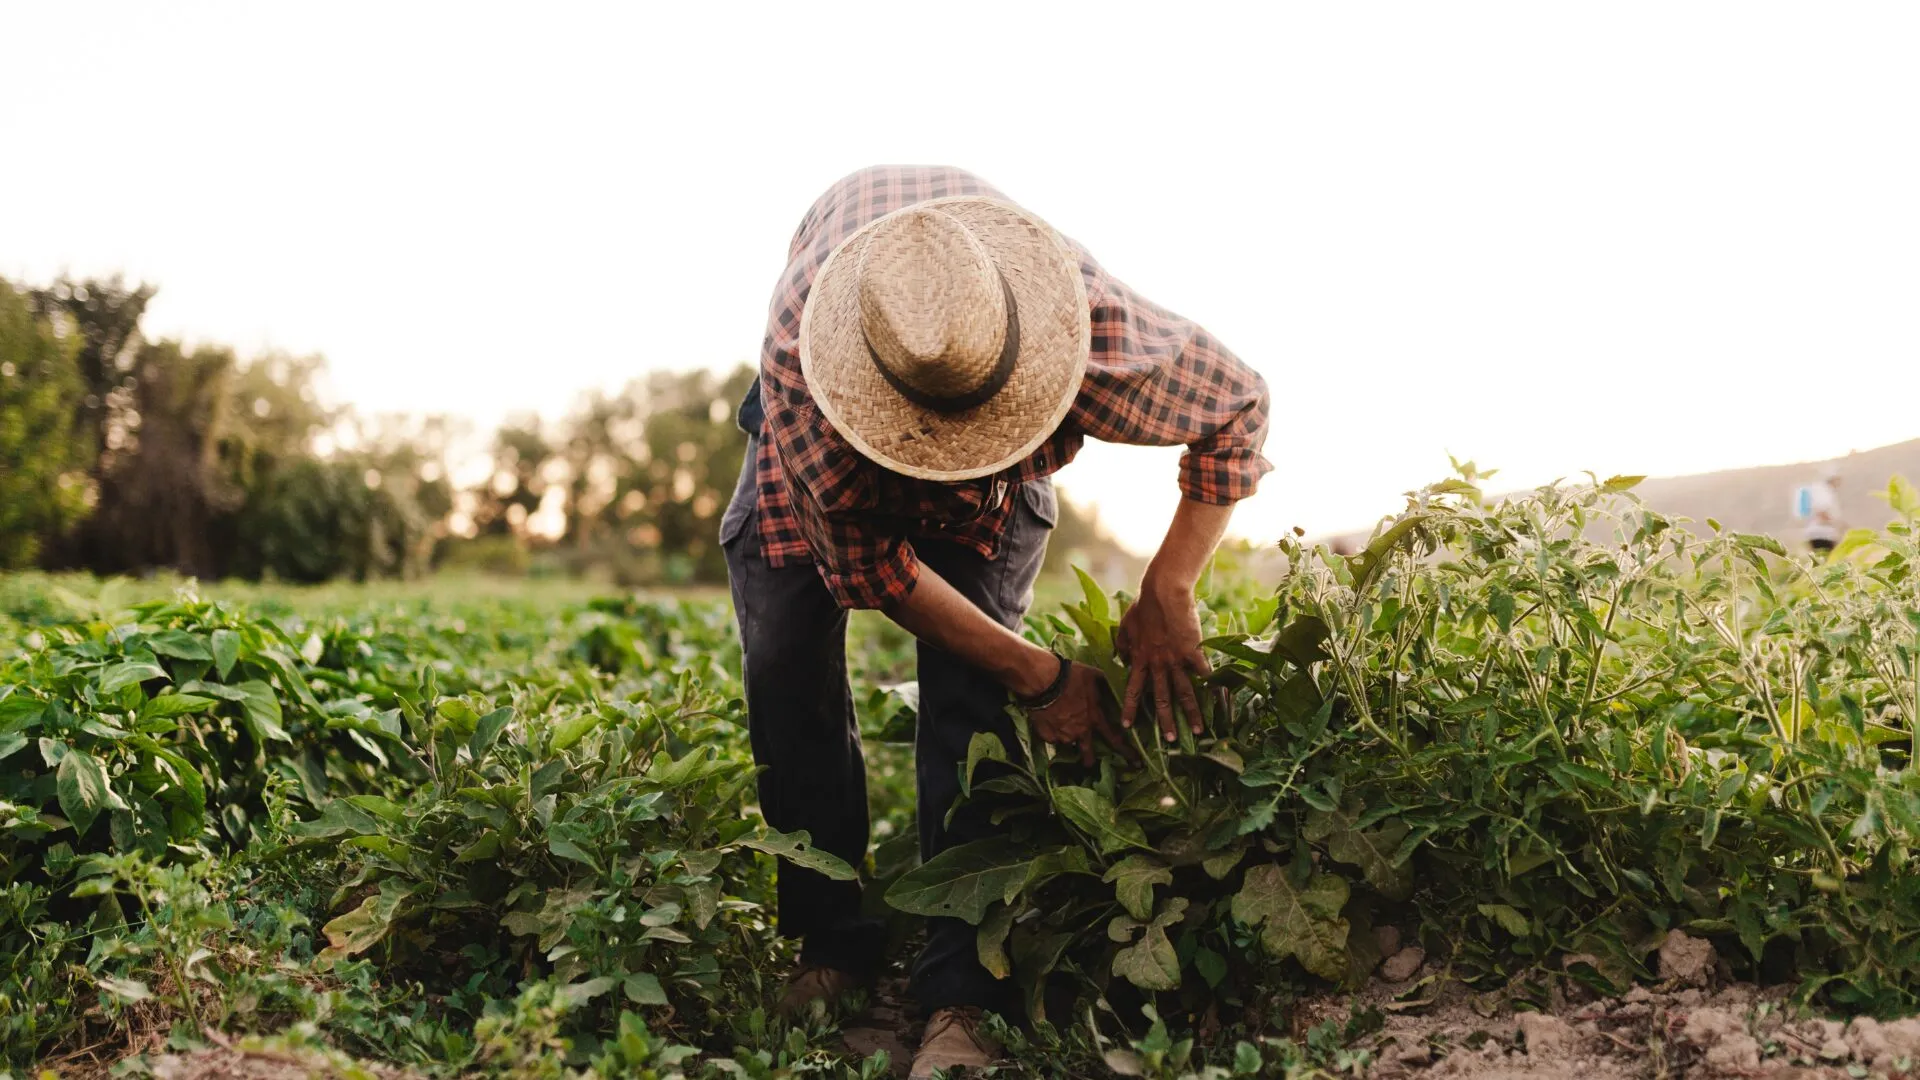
[1136, 682]
[1086, 750]
[1163, 703]
[1107, 732]
[1197, 663]
[1190, 702]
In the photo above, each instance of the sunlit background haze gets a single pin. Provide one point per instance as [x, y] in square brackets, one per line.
[1646, 238]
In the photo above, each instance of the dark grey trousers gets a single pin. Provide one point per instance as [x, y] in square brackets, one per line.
[806, 740]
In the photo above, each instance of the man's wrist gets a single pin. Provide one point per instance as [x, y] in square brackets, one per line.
[1032, 671]
[1046, 698]
[1167, 584]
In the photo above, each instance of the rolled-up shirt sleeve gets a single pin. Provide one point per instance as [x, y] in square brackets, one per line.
[862, 566]
[863, 558]
[1157, 379]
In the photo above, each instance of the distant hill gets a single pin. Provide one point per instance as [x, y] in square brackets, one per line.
[1760, 499]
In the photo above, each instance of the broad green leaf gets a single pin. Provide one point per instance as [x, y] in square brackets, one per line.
[963, 880]
[1066, 859]
[262, 709]
[664, 915]
[18, 712]
[578, 994]
[185, 787]
[573, 729]
[564, 839]
[1373, 850]
[1304, 923]
[487, 730]
[1221, 863]
[548, 778]
[290, 677]
[1500, 603]
[797, 848]
[385, 846]
[1509, 918]
[668, 773]
[990, 941]
[127, 673]
[703, 901]
[486, 847]
[179, 644]
[380, 807]
[1302, 641]
[644, 989]
[1211, 966]
[169, 705]
[10, 745]
[226, 651]
[81, 786]
[984, 746]
[1095, 596]
[1133, 880]
[1151, 963]
[340, 818]
[365, 926]
[1093, 814]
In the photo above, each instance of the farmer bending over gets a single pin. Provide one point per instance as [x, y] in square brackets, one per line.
[933, 355]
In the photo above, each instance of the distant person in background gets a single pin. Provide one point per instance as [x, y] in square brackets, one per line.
[1821, 506]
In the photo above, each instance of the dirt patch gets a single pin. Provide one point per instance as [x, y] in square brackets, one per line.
[253, 1059]
[1437, 1029]
[887, 1023]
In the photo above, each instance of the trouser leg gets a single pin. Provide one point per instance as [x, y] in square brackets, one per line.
[957, 700]
[806, 742]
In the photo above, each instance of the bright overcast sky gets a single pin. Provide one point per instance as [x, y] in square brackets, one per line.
[1653, 237]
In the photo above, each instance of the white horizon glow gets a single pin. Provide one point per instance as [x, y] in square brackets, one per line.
[1638, 238]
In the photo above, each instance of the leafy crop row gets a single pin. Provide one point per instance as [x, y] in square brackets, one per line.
[502, 837]
[1543, 750]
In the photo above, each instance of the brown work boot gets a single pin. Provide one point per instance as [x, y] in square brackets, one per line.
[953, 1038]
[811, 983]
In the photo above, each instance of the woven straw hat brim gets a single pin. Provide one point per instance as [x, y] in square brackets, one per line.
[1055, 333]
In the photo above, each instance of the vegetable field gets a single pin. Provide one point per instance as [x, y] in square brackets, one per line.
[1525, 757]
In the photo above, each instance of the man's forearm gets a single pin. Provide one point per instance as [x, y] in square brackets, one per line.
[1190, 541]
[936, 613]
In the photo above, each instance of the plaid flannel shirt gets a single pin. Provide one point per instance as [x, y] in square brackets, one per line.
[1152, 379]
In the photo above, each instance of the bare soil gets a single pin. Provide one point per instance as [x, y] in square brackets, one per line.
[1693, 1024]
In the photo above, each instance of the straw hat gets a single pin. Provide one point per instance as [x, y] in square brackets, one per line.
[946, 340]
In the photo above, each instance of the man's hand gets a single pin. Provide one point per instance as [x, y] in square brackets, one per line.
[1080, 714]
[1159, 640]
[934, 612]
[1159, 637]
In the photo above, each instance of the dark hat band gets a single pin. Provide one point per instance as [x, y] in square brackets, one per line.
[979, 395]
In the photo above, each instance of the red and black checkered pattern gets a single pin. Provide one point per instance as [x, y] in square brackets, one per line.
[1152, 379]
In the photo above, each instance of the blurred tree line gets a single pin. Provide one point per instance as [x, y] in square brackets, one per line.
[124, 455]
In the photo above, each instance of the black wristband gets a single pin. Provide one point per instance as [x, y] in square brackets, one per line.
[1053, 691]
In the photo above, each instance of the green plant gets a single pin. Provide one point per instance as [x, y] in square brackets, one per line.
[599, 842]
[1542, 750]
